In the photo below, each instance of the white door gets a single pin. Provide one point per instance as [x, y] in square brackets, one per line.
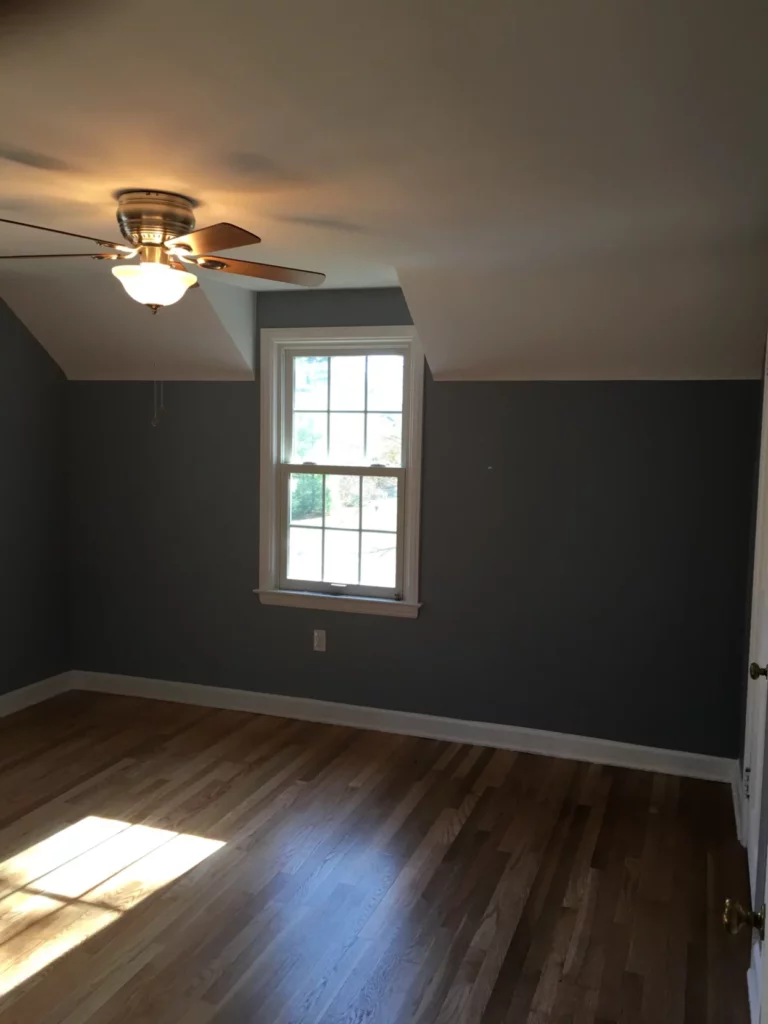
[755, 724]
[754, 734]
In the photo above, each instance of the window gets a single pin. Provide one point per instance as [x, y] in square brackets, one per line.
[340, 472]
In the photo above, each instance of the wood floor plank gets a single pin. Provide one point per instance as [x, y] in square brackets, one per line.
[280, 872]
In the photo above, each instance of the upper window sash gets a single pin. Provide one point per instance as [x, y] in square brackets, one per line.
[289, 356]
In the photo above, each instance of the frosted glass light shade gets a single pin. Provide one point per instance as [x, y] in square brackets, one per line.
[154, 284]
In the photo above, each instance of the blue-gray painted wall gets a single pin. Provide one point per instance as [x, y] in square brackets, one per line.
[34, 627]
[585, 550]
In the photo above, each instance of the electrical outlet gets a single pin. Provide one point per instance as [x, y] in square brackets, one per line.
[318, 640]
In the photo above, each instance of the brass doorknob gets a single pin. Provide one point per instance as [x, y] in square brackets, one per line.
[735, 917]
[755, 671]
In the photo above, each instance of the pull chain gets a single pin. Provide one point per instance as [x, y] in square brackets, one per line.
[158, 398]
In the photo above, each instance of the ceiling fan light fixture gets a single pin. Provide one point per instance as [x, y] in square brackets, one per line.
[159, 228]
[154, 284]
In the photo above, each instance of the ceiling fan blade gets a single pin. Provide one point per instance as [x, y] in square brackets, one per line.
[69, 234]
[288, 275]
[214, 238]
[29, 158]
[64, 255]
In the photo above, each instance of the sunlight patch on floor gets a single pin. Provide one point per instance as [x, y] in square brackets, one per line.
[56, 894]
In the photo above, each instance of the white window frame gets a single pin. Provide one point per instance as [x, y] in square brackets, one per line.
[278, 346]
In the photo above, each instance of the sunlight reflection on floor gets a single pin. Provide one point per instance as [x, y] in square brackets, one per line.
[56, 894]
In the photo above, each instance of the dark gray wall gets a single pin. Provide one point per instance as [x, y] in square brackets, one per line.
[584, 550]
[33, 611]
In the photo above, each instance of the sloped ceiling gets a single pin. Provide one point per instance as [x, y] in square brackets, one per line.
[95, 333]
[563, 190]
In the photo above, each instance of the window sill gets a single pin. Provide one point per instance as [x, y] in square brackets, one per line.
[331, 603]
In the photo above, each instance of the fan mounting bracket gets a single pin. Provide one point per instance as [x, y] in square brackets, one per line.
[149, 217]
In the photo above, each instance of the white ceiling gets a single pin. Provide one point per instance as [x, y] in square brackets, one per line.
[563, 190]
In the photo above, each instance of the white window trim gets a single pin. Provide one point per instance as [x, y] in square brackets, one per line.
[274, 344]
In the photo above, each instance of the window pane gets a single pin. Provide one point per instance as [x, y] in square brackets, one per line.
[307, 499]
[385, 383]
[348, 382]
[380, 503]
[378, 562]
[309, 437]
[341, 556]
[347, 439]
[342, 502]
[310, 382]
[385, 439]
[305, 553]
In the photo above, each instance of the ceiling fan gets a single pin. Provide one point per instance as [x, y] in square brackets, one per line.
[160, 227]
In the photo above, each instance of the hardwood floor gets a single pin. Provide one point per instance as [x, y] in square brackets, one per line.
[166, 864]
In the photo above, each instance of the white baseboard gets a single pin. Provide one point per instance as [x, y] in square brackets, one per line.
[489, 734]
[34, 693]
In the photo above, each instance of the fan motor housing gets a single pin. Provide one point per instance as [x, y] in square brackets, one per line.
[152, 218]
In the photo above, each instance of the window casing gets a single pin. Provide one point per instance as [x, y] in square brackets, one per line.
[341, 468]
